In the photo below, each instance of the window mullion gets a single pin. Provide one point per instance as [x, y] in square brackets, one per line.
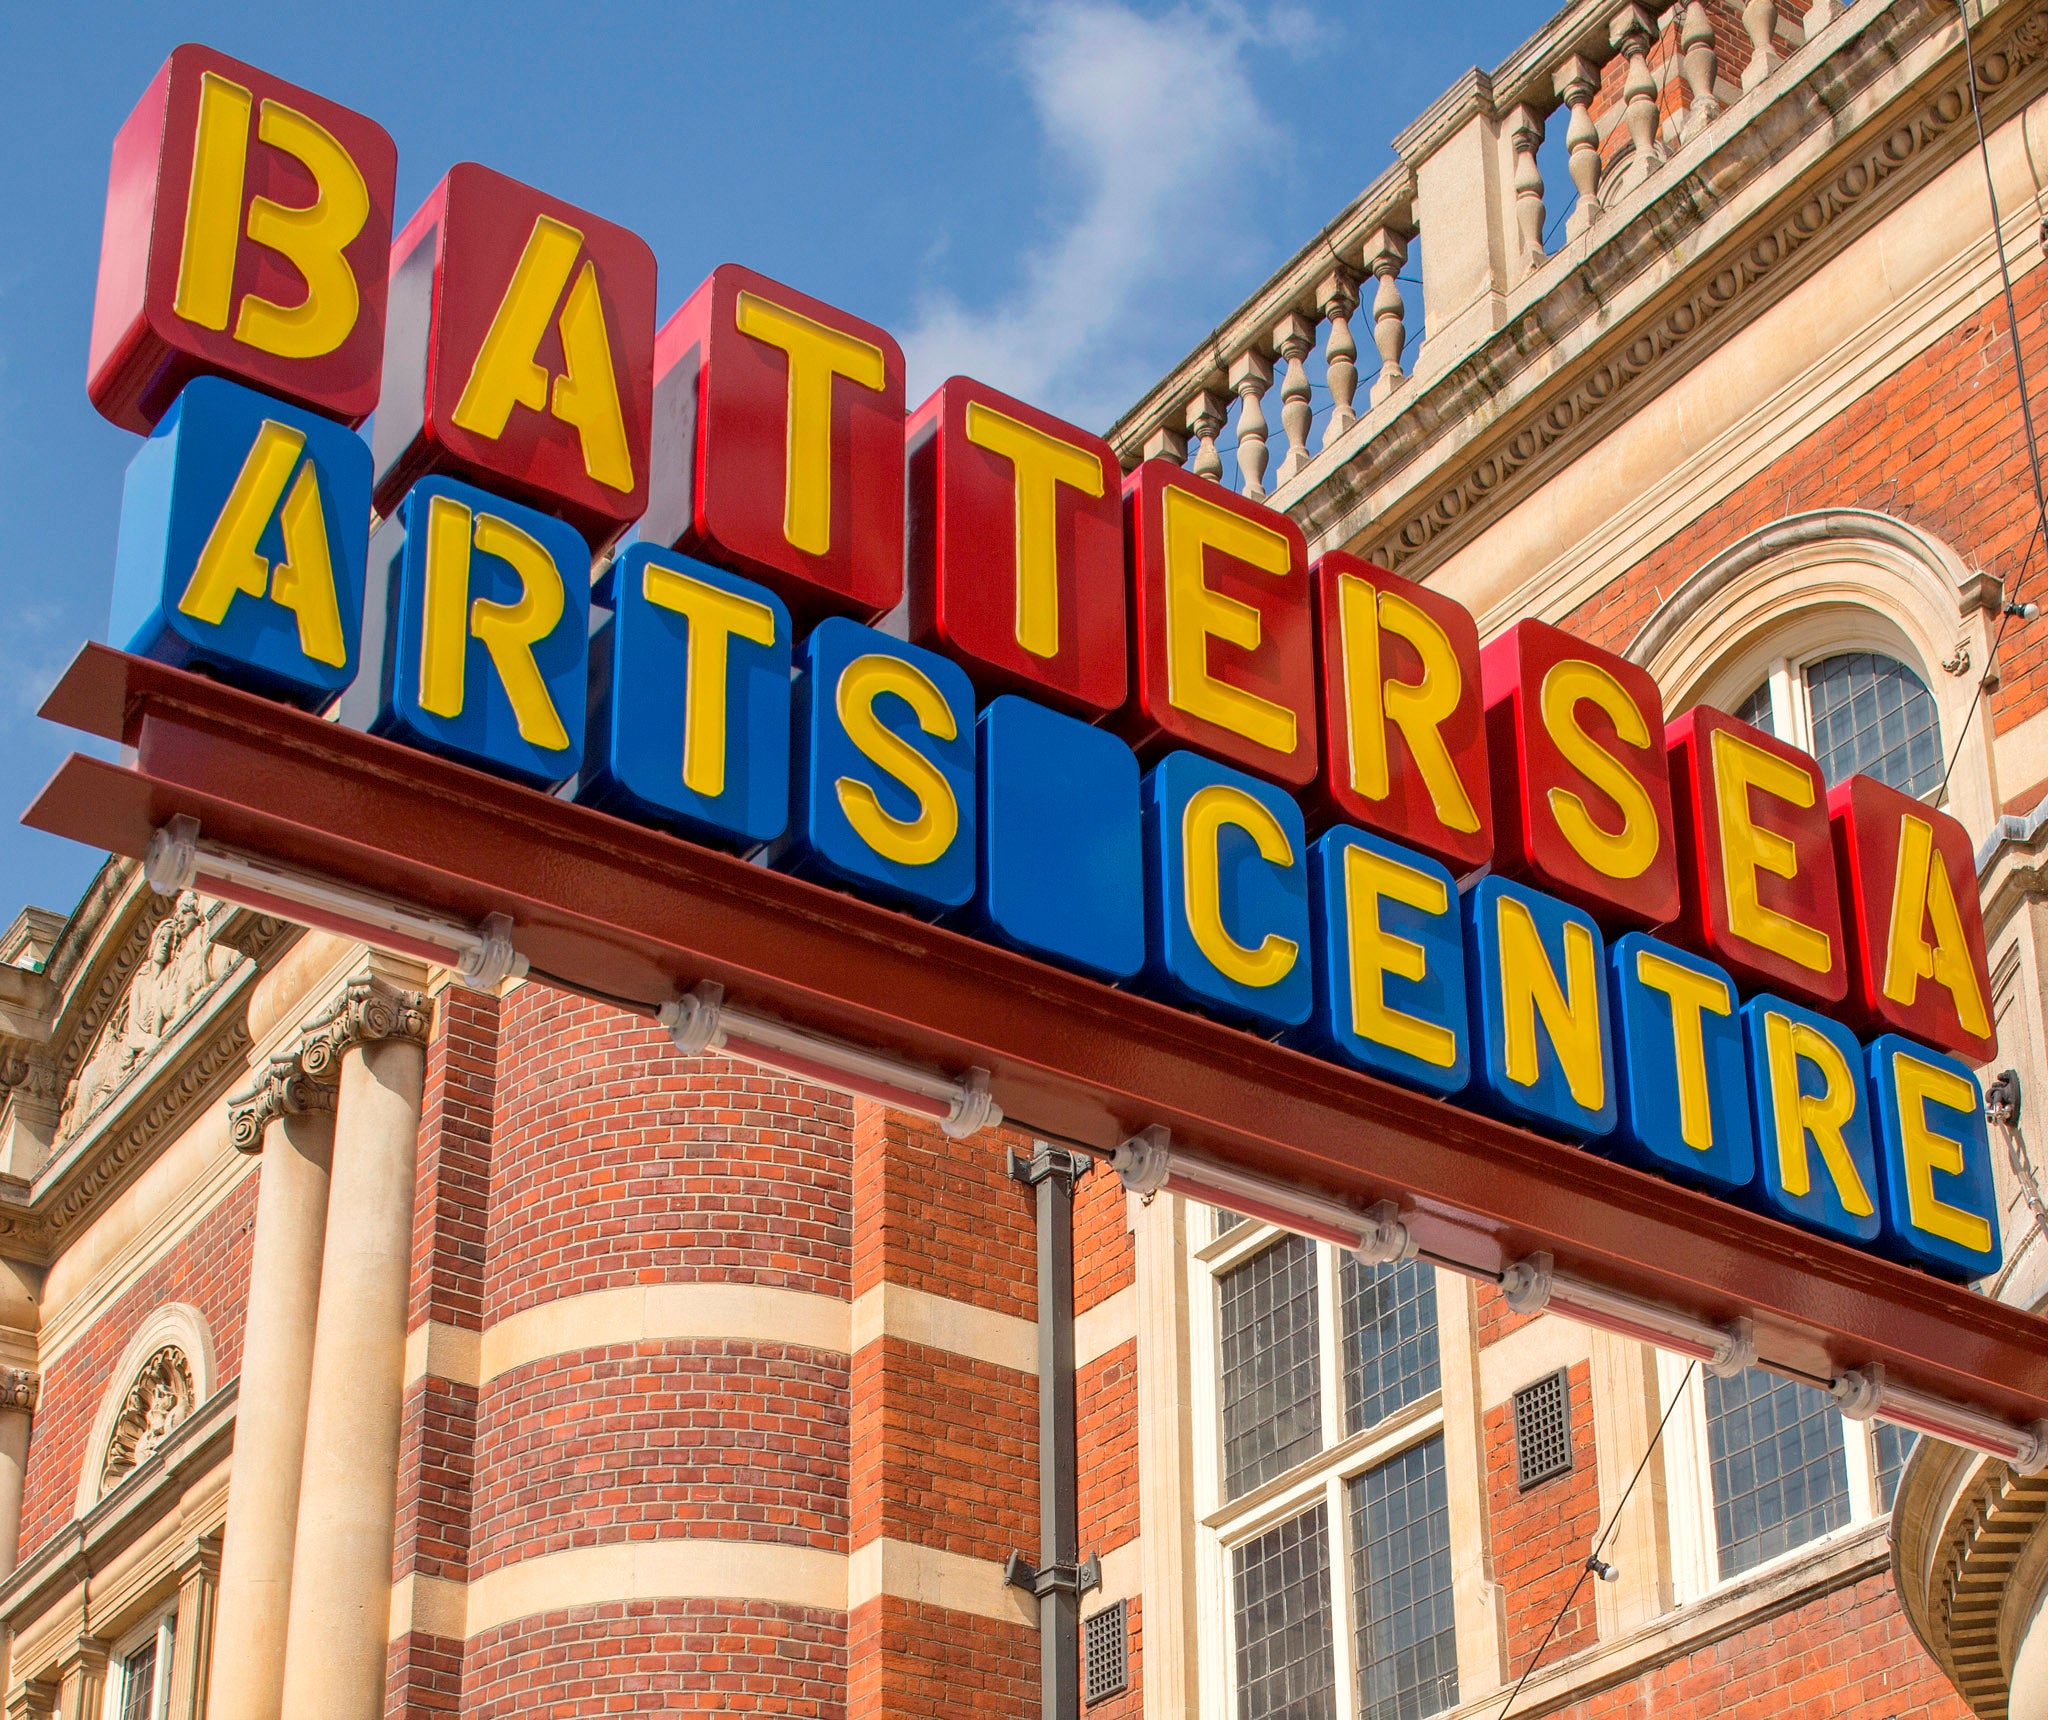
[1330, 1321]
[1343, 1599]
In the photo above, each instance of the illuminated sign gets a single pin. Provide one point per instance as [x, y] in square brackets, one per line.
[1120, 725]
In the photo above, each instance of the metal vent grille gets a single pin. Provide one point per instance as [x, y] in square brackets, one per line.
[1543, 1430]
[1105, 1653]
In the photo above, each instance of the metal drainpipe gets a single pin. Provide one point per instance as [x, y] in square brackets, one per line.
[1061, 1577]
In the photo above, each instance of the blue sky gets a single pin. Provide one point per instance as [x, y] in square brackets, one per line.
[1060, 198]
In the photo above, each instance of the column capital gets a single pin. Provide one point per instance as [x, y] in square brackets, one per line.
[34, 1699]
[283, 1090]
[370, 1008]
[200, 1557]
[19, 1389]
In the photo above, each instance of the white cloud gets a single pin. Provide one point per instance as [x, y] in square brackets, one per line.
[1155, 125]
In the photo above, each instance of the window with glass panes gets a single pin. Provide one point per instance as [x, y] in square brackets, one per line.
[1761, 1467]
[1860, 713]
[1329, 1446]
[139, 1672]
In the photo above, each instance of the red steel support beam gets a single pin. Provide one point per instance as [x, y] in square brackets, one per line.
[633, 912]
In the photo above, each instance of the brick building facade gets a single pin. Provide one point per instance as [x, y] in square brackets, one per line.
[594, 1378]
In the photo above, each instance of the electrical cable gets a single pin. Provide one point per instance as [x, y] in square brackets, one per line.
[1600, 1545]
[2012, 323]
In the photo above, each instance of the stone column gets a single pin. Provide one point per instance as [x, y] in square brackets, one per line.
[335, 1654]
[18, 1389]
[198, 1592]
[82, 1679]
[290, 1118]
[1626, 1411]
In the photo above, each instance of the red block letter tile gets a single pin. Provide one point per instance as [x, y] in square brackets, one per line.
[1916, 933]
[1016, 548]
[778, 445]
[247, 228]
[1581, 797]
[1225, 646]
[1756, 861]
[521, 353]
[1404, 725]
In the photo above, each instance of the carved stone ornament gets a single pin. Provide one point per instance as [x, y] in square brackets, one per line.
[182, 965]
[283, 1090]
[161, 1398]
[369, 1009]
[19, 1388]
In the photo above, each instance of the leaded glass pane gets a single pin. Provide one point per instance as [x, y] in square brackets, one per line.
[1282, 1584]
[1780, 1479]
[1756, 710]
[1272, 1389]
[138, 1683]
[1389, 1338]
[1872, 716]
[1894, 1446]
[1401, 1575]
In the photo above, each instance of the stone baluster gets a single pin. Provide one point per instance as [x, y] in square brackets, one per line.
[1207, 412]
[1385, 252]
[1702, 65]
[1632, 31]
[1525, 134]
[1337, 298]
[1251, 374]
[288, 1117]
[1819, 15]
[1294, 338]
[1760, 19]
[1577, 78]
[1167, 443]
[334, 1659]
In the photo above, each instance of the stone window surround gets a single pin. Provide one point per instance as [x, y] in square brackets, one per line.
[1222, 1526]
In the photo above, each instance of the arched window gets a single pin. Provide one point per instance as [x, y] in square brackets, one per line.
[1858, 713]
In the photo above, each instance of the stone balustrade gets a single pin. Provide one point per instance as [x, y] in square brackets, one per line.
[1620, 88]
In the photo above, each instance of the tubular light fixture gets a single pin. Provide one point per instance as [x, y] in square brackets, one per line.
[1533, 1285]
[1149, 1162]
[703, 1021]
[481, 957]
[1866, 1393]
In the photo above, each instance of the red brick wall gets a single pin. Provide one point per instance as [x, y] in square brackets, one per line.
[1105, 1252]
[944, 1216]
[1841, 1654]
[1938, 443]
[1106, 1423]
[908, 1661]
[209, 1268]
[673, 1657]
[714, 1441]
[618, 1162]
[1541, 1538]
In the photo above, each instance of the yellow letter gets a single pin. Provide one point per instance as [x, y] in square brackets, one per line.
[1921, 893]
[816, 355]
[304, 581]
[213, 205]
[1201, 827]
[909, 842]
[313, 238]
[444, 608]
[1193, 525]
[1627, 852]
[230, 561]
[510, 631]
[506, 373]
[1747, 848]
[587, 391]
[1690, 992]
[1926, 1151]
[1376, 952]
[1822, 1115]
[1419, 709]
[1039, 464]
[1571, 1014]
[715, 615]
